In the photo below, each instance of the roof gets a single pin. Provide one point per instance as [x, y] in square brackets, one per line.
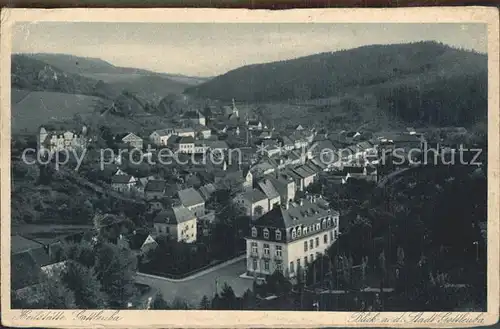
[174, 215]
[353, 169]
[253, 196]
[164, 132]
[305, 212]
[24, 270]
[155, 186]
[267, 187]
[20, 244]
[207, 190]
[121, 179]
[186, 140]
[190, 197]
[253, 122]
[130, 137]
[217, 144]
[184, 130]
[323, 146]
[303, 171]
[287, 141]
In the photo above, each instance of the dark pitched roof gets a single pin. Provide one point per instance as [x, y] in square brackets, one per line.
[190, 197]
[207, 190]
[192, 115]
[121, 179]
[186, 140]
[297, 214]
[24, 270]
[174, 215]
[353, 169]
[155, 186]
[267, 187]
[254, 196]
[21, 244]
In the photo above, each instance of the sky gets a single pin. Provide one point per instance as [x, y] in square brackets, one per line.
[210, 49]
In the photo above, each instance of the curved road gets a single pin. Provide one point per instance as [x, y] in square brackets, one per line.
[193, 288]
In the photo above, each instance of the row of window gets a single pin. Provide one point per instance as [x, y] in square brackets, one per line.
[306, 262]
[278, 250]
[267, 267]
[310, 245]
[299, 231]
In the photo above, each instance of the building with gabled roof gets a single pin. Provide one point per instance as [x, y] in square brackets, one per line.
[254, 202]
[192, 200]
[195, 117]
[123, 183]
[178, 222]
[131, 140]
[289, 237]
[155, 189]
[270, 192]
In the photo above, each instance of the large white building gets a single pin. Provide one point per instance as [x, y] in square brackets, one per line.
[177, 222]
[290, 236]
[55, 141]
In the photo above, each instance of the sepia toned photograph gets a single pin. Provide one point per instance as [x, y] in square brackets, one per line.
[288, 166]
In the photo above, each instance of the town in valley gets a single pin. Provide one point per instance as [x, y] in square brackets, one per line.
[346, 180]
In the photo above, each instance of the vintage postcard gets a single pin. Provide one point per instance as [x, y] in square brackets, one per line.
[238, 168]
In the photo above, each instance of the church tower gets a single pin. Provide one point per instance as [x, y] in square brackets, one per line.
[235, 109]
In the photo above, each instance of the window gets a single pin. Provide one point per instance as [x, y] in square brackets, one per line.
[294, 233]
[254, 247]
[292, 269]
[278, 235]
[266, 249]
[254, 264]
[266, 265]
[279, 251]
[311, 244]
[305, 261]
[336, 234]
[331, 235]
[304, 230]
[279, 267]
[305, 245]
[254, 232]
[323, 223]
[266, 233]
[311, 258]
[317, 241]
[299, 231]
[298, 264]
[325, 238]
[329, 222]
[318, 227]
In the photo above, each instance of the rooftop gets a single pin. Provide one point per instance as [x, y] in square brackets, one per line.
[155, 186]
[190, 197]
[174, 215]
[254, 196]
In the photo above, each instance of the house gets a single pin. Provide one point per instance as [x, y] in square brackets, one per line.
[200, 147]
[299, 141]
[254, 202]
[351, 136]
[155, 189]
[185, 132]
[254, 125]
[368, 173]
[56, 140]
[274, 198]
[203, 132]
[123, 183]
[132, 140]
[269, 147]
[289, 237]
[141, 242]
[192, 200]
[186, 144]
[287, 143]
[160, 137]
[194, 117]
[207, 190]
[178, 222]
[306, 176]
[284, 185]
[322, 148]
[262, 168]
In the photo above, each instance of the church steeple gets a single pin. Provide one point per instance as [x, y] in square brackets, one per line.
[235, 110]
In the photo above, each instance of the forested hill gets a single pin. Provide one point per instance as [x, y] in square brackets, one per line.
[31, 74]
[423, 81]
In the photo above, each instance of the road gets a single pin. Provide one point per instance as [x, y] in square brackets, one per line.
[194, 288]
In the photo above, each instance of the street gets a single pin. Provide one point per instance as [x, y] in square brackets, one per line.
[192, 290]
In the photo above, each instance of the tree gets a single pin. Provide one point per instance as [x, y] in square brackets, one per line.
[205, 303]
[115, 268]
[54, 295]
[82, 281]
[179, 304]
[159, 303]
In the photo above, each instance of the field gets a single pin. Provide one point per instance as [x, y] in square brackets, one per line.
[40, 107]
